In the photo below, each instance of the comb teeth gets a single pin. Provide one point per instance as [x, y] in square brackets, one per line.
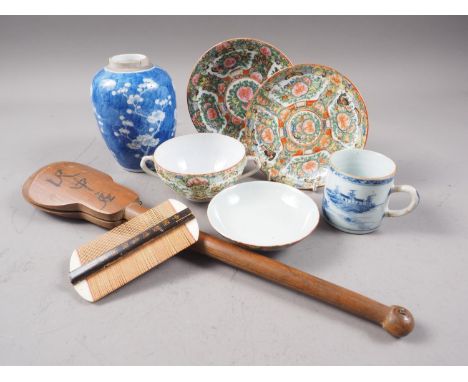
[137, 262]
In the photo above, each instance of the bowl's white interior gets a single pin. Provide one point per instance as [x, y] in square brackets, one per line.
[263, 214]
[362, 163]
[199, 153]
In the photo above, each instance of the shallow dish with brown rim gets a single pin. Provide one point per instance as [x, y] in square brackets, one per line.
[263, 215]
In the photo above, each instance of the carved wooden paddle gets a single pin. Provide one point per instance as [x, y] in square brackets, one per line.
[74, 190]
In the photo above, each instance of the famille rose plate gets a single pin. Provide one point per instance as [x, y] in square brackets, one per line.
[225, 80]
[298, 117]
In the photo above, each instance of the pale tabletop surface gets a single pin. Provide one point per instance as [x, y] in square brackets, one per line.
[192, 310]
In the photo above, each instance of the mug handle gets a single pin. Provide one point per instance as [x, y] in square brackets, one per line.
[254, 170]
[145, 168]
[411, 206]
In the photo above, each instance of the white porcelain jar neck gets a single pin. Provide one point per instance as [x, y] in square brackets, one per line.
[129, 62]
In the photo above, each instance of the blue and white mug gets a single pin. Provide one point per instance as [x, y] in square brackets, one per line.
[357, 191]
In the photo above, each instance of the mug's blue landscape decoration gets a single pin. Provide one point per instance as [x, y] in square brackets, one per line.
[352, 210]
[134, 105]
[349, 202]
[355, 198]
[352, 205]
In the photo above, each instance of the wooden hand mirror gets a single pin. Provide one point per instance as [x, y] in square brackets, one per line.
[77, 191]
[74, 190]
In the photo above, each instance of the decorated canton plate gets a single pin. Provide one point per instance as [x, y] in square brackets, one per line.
[301, 115]
[225, 80]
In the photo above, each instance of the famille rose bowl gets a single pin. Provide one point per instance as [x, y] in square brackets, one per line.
[263, 215]
[198, 166]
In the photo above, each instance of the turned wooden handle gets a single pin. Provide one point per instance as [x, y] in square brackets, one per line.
[396, 320]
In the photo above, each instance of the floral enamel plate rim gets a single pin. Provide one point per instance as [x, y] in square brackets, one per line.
[221, 115]
[294, 134]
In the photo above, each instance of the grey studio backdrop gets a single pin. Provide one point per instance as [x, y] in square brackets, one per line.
[412, 72]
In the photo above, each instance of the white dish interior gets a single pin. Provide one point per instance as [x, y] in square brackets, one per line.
[200, 153]
[363, 164]
[263, 214]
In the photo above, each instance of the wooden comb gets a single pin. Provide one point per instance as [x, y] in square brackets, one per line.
[132, 261]
[74, 190]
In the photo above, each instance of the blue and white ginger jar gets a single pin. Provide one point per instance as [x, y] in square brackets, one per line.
[134, 104]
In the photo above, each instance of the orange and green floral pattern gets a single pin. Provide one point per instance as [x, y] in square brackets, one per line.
[298, 117]
[201, 187]
[225, 80]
